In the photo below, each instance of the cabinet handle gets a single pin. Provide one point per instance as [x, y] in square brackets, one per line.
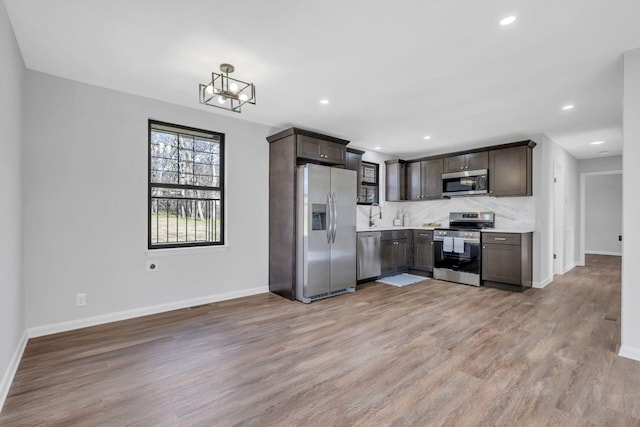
[499, 238]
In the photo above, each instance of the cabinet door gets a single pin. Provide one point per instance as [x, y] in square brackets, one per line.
[501, 263]
[395, 182]
[386, 257]
[509, 172]
[431, 173]
[353, 162]
[423, 250]
[414, 181]
[476, 161]
[309, 148]
[333, 152]
[400, 261]
[454, 163]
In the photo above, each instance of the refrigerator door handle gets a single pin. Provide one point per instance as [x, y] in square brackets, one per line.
[334, 217]
[329, 216]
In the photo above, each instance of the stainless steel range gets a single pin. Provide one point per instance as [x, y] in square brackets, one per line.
[456, 250]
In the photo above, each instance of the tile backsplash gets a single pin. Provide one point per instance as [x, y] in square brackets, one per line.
[511, 212]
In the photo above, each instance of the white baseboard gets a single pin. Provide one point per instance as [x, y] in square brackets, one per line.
[629, 352]
[543, 283]
[7, 378]
[55, 328]
[603, 253]
[568, 268]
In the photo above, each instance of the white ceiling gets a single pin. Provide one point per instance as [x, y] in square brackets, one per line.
[393, 71]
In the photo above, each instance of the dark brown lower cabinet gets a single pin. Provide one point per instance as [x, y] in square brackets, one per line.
[423, 250]
[393, 252]
[506, 260]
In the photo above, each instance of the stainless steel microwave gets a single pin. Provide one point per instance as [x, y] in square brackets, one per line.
[466, 183]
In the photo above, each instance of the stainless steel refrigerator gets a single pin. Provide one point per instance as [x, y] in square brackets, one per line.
[326, 235]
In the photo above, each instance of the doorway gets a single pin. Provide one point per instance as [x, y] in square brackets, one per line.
[600, 214]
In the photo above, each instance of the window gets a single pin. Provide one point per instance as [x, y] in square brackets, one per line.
[369, 185]
[186, 186]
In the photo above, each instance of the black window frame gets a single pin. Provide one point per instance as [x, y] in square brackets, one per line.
[151, 185]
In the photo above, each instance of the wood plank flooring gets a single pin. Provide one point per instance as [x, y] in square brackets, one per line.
[433, 353]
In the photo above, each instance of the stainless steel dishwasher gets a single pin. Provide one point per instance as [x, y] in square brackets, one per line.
[368, 255]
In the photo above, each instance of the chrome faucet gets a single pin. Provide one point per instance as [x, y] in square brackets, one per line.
[371, 222]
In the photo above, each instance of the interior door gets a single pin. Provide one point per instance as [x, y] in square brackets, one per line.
[343, 248]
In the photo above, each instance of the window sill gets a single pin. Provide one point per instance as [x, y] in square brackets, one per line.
[186, 251]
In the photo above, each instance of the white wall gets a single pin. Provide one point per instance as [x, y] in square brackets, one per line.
[546, 156]
[603, 214]
[86, 208]
[12, 324]
[630, 340]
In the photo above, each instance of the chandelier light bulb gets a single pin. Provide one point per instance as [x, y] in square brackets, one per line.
[210, 89]
[243, 97]
[233, 87]
[222, 99]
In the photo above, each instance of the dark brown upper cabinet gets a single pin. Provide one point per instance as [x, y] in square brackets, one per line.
[353, 161]
[424, 180]
[321, 150]
[510, 171]
[464, 162]
[395, 180]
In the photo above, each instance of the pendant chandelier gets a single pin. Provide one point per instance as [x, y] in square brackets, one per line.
[226, 92]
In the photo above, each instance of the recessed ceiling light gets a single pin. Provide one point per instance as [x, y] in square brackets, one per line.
[507, 20]
[427, 137]
[568, 107]
[596, 142]
[377, 148]
[324, 101]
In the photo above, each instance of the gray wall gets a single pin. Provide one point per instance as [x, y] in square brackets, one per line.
[603, 214]
[631, 249]
[12, 72]
[86, 208]
[599, 164]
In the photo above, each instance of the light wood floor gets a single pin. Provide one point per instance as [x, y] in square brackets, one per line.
[433, 353]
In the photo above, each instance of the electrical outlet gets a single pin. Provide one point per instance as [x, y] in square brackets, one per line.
[152, 266]
[81, 300]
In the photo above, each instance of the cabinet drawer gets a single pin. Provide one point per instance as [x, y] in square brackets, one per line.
[422, 234]
[394, 235]
[501, 238]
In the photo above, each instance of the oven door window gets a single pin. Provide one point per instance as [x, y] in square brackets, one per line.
[468, 261]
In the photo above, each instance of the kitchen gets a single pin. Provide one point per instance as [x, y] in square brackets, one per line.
[477, 180]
